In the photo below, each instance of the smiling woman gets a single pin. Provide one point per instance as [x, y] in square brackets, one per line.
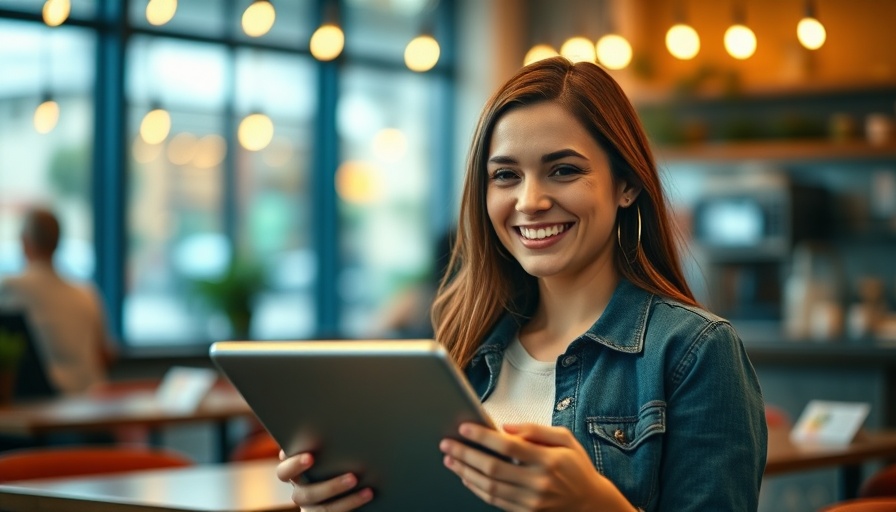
[612, 388]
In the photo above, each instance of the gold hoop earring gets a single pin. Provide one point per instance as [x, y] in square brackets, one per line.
[619, 232]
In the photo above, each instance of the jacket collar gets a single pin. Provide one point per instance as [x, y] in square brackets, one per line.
[621, 326]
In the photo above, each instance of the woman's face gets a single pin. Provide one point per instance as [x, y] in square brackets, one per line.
[551, 197]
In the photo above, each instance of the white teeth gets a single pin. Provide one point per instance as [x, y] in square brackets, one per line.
[541, 233]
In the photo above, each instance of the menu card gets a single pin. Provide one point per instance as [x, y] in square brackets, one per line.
[826, 422]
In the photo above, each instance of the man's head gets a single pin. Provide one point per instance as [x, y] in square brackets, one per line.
[40, 234]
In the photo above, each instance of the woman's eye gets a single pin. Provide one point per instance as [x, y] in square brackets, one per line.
[566, 170]
[503, 175]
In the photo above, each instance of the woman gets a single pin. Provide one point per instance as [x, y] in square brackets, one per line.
[569, 311]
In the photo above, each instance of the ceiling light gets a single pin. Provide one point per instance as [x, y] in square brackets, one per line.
[160, 12]
[327, 42]
[422, 53]
[55, 12]
[258, 18]
[614, 51]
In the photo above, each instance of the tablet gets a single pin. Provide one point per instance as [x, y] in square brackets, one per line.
[377, 408]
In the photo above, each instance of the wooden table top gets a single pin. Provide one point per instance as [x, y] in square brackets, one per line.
[234, 487]
[787, 457]
[116, 408]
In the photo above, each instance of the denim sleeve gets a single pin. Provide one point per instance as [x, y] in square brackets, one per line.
[716, 437]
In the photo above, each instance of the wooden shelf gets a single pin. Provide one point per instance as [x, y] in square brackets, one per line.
[775, 150]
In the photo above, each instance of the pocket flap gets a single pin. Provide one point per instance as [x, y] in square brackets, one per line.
[627, 432]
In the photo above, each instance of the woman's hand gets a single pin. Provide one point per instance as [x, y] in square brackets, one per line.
[550, 470]
[318, 497]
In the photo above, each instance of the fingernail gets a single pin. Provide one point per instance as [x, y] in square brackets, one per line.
[366, 494]
[304, 459]
[349, 480]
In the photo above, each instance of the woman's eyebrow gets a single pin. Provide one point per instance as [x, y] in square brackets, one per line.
[563, 153]
[550, 157]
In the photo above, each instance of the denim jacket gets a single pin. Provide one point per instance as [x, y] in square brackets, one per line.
[663, 398]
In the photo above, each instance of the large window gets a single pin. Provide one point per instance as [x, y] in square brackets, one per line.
[46, 119]
[318, 213]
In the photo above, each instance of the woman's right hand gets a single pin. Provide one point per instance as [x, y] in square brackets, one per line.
[318, 497]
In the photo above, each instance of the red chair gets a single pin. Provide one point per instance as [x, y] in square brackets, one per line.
[68, 461]
[880, 484]
[863, 505]
[259, 445]
[775, 417]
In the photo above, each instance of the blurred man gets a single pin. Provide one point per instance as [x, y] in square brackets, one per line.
[67, 320]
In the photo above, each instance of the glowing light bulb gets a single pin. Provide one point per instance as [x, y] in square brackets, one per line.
[159, 12]
[55, 12]
[682, 41]
[357, 182]
[155, 126]
[539, 52]
[578, 49]
[390, 145]
[182, 148]
[614, 51]
[210, 151]
[258, 18]
[422, 53]
[255, 132]
[327, 42]
[811, 33]
[740, 41]
[46, 115]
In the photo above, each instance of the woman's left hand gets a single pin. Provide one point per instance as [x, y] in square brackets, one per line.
[549, 470]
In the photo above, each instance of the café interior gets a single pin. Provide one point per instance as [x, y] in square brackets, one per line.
[286, 169]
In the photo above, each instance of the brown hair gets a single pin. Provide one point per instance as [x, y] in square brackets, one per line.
[41, 228]
[481, 283]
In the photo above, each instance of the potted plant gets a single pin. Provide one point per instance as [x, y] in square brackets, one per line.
[233, 293]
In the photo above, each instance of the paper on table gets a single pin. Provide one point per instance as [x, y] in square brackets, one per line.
[826, 422]
[183, 388]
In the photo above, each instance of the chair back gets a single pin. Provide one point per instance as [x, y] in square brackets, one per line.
[863, 505]
[69, 461]
[880, 484]
[31, 379]
[259, 445]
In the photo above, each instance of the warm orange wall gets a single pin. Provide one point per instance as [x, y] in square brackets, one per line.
[860, 49]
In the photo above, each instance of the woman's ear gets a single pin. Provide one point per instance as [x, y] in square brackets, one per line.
[628, 193]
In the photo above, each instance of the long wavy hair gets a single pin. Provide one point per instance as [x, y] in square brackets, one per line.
[482, 282]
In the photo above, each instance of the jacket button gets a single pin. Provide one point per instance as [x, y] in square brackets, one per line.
[619, 435]
[563, 404]
[569, 360]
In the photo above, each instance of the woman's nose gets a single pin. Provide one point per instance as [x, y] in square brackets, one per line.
[533, 198]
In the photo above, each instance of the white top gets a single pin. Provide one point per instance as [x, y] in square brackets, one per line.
[67, 322]
[525, 389]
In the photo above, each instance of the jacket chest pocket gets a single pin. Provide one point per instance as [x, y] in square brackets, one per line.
[628, 449]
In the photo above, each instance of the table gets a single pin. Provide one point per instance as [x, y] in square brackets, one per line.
[787, 457]
[124, 405]
[253, 486]
[233, 487]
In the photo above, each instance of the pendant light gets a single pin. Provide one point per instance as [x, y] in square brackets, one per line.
[160, 12]
[809, 30]
[540, 49]
[612, 49]
[328, 41]
[422, 52]
[682, 40]
[55, 12]
[578, 49]
[46, 115]
[156, 124]
[740, 41]
[258, 18]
